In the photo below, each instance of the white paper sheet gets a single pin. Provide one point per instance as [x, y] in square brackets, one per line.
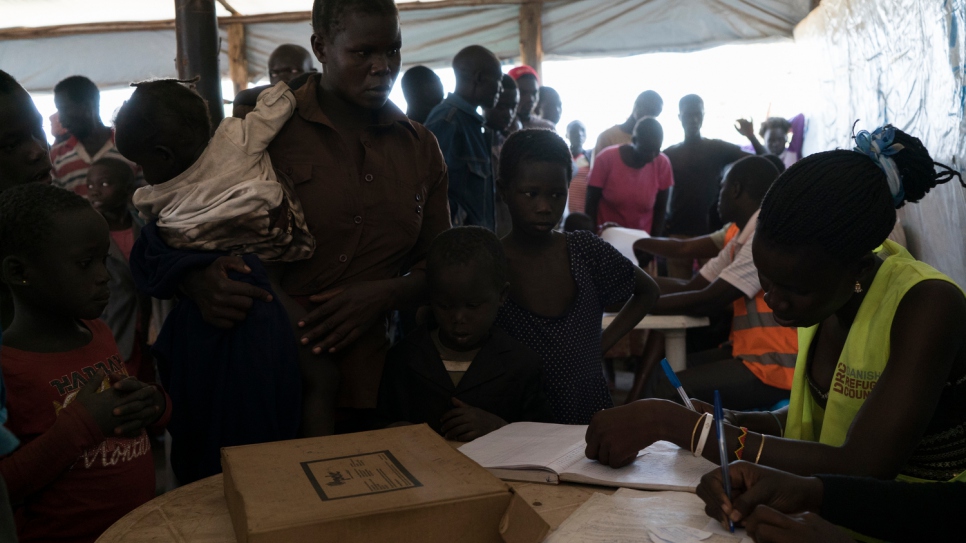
[619, 519]
[525, 444]
[623, 240]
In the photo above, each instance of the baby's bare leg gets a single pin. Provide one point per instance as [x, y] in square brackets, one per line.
[320, 377]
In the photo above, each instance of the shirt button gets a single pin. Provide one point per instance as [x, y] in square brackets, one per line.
[358, 220]
[419, 197]
[419, 209]
[343, 258]
[369, 177]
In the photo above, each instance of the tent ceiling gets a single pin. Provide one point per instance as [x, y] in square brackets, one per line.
[32, 13]
[431, 36]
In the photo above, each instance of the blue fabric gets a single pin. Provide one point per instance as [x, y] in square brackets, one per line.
[227, 387]
[8, 441]
[466, 149]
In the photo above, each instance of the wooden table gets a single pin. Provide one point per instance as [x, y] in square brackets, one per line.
[197, 513]
[675, 330]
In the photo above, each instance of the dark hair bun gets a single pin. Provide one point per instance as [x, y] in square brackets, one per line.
[840, 200]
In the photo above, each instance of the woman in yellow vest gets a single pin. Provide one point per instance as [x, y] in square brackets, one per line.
[880, 382]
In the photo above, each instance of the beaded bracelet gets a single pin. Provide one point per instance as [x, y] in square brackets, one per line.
[741, 443]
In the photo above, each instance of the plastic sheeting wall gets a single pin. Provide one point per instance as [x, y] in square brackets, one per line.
[571, 28]
[899, 62]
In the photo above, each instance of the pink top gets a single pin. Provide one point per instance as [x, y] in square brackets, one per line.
[628, 193]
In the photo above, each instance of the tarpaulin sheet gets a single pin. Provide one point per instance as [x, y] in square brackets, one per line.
[431, 36]
[899, 62]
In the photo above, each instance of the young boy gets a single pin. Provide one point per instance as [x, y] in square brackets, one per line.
[465, 377]
[110, 184]
[85, 459]
[210, 196]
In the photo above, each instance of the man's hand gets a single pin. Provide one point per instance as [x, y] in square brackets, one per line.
[753, 485]
[343, 314]
[222, 301]
[769, 526]
[466, 423]
[745, 128]
[140, 406]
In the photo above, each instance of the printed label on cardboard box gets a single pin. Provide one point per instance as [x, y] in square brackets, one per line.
[358, 475]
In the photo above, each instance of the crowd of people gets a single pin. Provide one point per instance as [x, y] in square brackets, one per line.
[324, 263]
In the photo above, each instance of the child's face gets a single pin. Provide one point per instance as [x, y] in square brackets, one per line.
[536, 197]
[68, 275]
[106, 189]
[465, 303]
[78, 118]
[775, 140]
[23, 143]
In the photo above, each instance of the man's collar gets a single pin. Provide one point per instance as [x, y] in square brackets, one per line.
[461, 104]
[308, 107]
[749, 228]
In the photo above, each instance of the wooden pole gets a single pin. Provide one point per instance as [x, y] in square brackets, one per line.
[531, 35]
[196, 27]
[237, 60]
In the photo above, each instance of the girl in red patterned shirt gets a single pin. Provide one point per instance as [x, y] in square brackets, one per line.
[85, 459]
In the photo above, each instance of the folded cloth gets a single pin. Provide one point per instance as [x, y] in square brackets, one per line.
[227, 387]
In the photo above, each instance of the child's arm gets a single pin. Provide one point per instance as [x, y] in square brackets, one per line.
[260, 126]
[466, 423]
[79, 426]
[645, 295]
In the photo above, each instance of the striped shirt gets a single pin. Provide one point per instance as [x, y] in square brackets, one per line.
[71, 162]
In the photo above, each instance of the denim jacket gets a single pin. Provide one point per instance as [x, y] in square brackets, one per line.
[466, 149]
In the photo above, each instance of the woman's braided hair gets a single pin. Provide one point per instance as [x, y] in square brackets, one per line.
[840, 200]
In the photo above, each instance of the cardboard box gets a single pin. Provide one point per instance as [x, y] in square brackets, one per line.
[396, 485]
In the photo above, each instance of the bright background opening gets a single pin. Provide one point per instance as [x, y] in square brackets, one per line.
[754, 80]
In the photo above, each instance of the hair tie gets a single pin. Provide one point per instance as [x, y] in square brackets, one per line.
[879, 147]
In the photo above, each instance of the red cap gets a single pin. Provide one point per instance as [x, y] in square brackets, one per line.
[520, 71]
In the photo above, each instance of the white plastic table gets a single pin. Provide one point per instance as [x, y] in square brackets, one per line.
[675, 330]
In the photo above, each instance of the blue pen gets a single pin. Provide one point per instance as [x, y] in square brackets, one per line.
[722, 452]
[676, 383]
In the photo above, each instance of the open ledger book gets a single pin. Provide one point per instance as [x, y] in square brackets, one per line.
[551, 453]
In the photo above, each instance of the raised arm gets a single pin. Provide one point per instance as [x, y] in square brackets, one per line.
[746, 129]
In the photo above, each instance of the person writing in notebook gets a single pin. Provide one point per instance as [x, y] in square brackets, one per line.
[464, 377]
[880, 380]
[778, 506]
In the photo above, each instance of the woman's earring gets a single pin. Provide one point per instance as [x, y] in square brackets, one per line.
[858, 287]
